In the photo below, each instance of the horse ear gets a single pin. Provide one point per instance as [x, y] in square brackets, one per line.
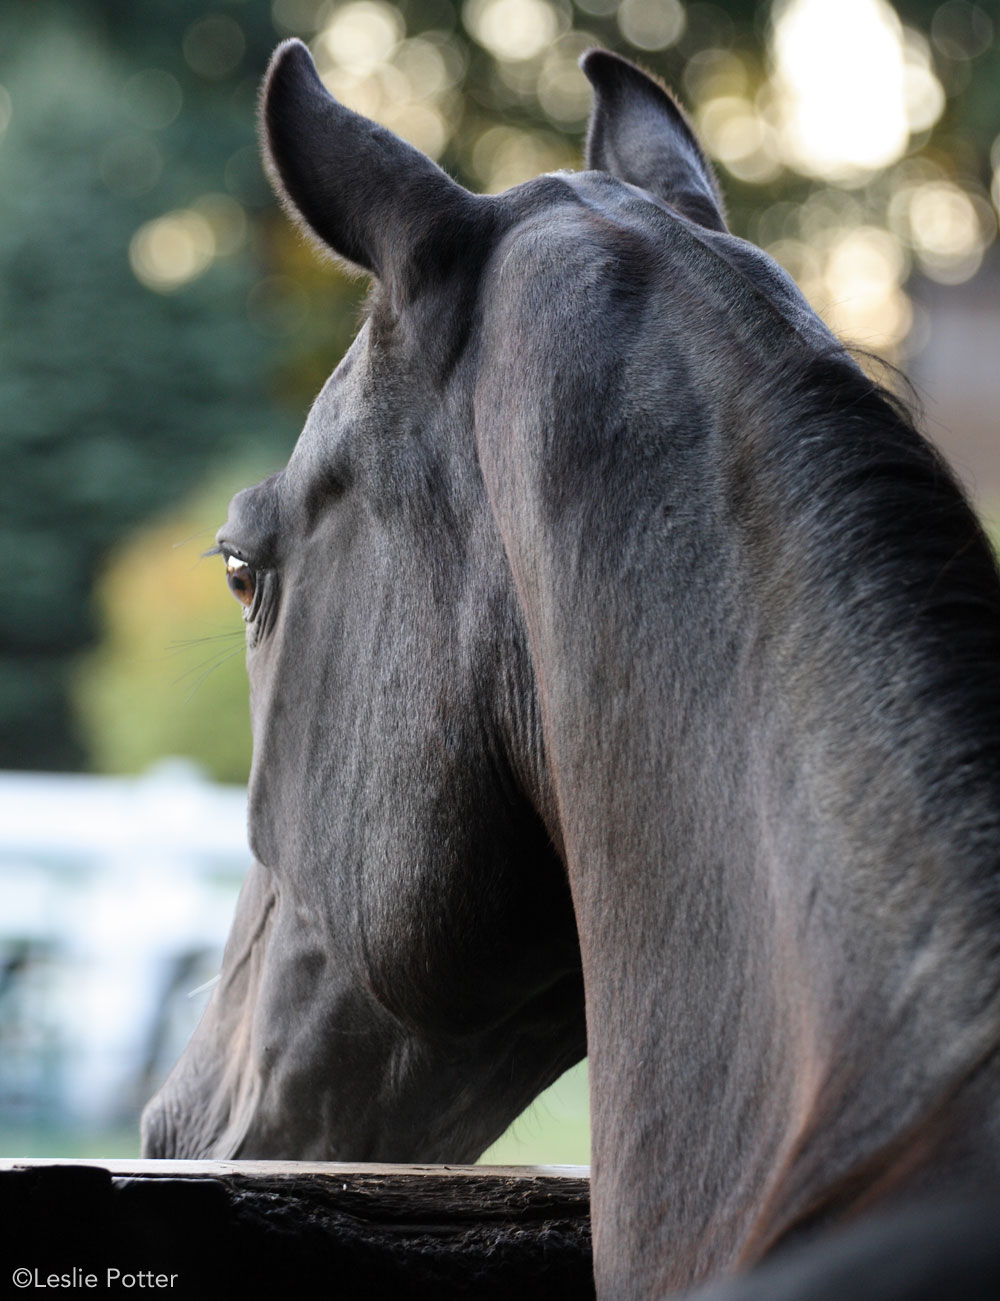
[639, 133]
[369, 196]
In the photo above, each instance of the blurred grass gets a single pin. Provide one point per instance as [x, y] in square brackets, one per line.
[39, 1140]
[554, 1130]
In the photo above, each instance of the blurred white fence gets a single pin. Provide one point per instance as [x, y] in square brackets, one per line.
[116, 896]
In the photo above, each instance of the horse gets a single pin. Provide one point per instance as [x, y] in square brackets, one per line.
[625, 681]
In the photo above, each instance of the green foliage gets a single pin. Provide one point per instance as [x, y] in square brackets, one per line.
[554, 1130]
[115, 399]
[169, 676]
[127, 374]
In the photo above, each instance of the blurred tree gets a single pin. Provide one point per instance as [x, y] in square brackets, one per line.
[173, 639]
[162, 316]
[114, 398]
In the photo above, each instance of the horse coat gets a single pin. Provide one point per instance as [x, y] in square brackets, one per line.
[624, 680]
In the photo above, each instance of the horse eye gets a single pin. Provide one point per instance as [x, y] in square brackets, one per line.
[241, 579]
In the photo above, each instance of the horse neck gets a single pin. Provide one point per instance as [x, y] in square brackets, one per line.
[771, 718]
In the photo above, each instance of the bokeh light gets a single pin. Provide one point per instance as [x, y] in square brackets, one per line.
[360, 37]
[504, 156]
[514, 29]
[171, 250]
[367, 62]
[293, 17]
[651, 24]
[227, 219]
[846, 127]
[862, 278]
[961, 30]
[713, 72]
[949, 229]
[740, 137]
[564, 93]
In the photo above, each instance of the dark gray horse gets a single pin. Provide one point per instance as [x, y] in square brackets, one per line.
[625, 678]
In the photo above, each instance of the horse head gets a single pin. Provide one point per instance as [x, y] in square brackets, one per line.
[602, 701]
[403, 974]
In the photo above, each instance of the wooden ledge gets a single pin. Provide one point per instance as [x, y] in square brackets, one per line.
[283, 1228]
[140, 1167]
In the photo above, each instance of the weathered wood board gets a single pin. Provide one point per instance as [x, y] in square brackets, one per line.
[290, 1229]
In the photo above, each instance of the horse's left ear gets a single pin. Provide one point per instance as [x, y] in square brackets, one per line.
[367, 194]
[639, 133]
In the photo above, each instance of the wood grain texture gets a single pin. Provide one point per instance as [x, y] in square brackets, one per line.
[280, 1229]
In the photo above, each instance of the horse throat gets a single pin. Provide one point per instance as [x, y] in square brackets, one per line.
[785, 1066]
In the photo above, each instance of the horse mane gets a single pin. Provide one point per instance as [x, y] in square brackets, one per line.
[878, 478]
[887, 555]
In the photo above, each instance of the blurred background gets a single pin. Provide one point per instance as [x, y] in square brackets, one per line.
[164, 331]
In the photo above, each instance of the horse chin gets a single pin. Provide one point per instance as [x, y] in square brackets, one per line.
[174, 1133]
[155, 1137]
[177, 1131]
[162, 1139]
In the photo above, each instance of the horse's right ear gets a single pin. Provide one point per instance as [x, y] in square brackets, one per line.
[368, 195]
[639, 133]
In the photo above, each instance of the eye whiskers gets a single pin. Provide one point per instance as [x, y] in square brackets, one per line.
[207, 668]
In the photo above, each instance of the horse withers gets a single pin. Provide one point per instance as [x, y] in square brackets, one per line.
[625, 679]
